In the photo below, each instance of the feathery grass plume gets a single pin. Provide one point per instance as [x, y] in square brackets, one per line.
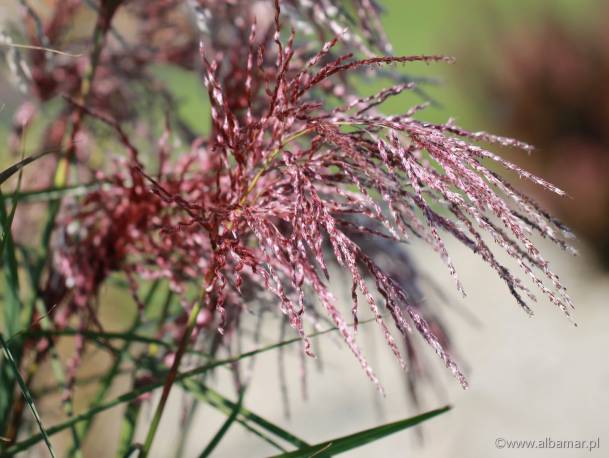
[284, 173]
[299, 174]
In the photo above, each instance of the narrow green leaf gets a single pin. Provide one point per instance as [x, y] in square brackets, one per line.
[206, 396]
[83, 381]
[53, 193]
[26, 394]
[252, 429]
[215, 441]
[58, 372]
[9, 261]
[137, 392]
[9, 172]
[217, 400]
[12, 308]
[128, 429]
[97, 335]
[346, 443]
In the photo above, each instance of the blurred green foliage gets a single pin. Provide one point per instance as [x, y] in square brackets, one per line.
[461, 28]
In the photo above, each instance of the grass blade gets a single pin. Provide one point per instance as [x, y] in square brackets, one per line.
[132, 412]
[215, 399]
[54, 192]
[224, 428]
[26, 394]
[346, 443]
[60, 376]
[100, 337]
[9, 172]
[12, 309]
[206, 395]
[137, 392]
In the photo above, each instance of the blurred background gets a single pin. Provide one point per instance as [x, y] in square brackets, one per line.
[532, 69]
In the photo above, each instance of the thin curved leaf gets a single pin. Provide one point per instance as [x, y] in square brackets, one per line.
[346, 443]
[26, 394]
[215, 441]
[136, 393]
[9, 172]
[245, 417]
